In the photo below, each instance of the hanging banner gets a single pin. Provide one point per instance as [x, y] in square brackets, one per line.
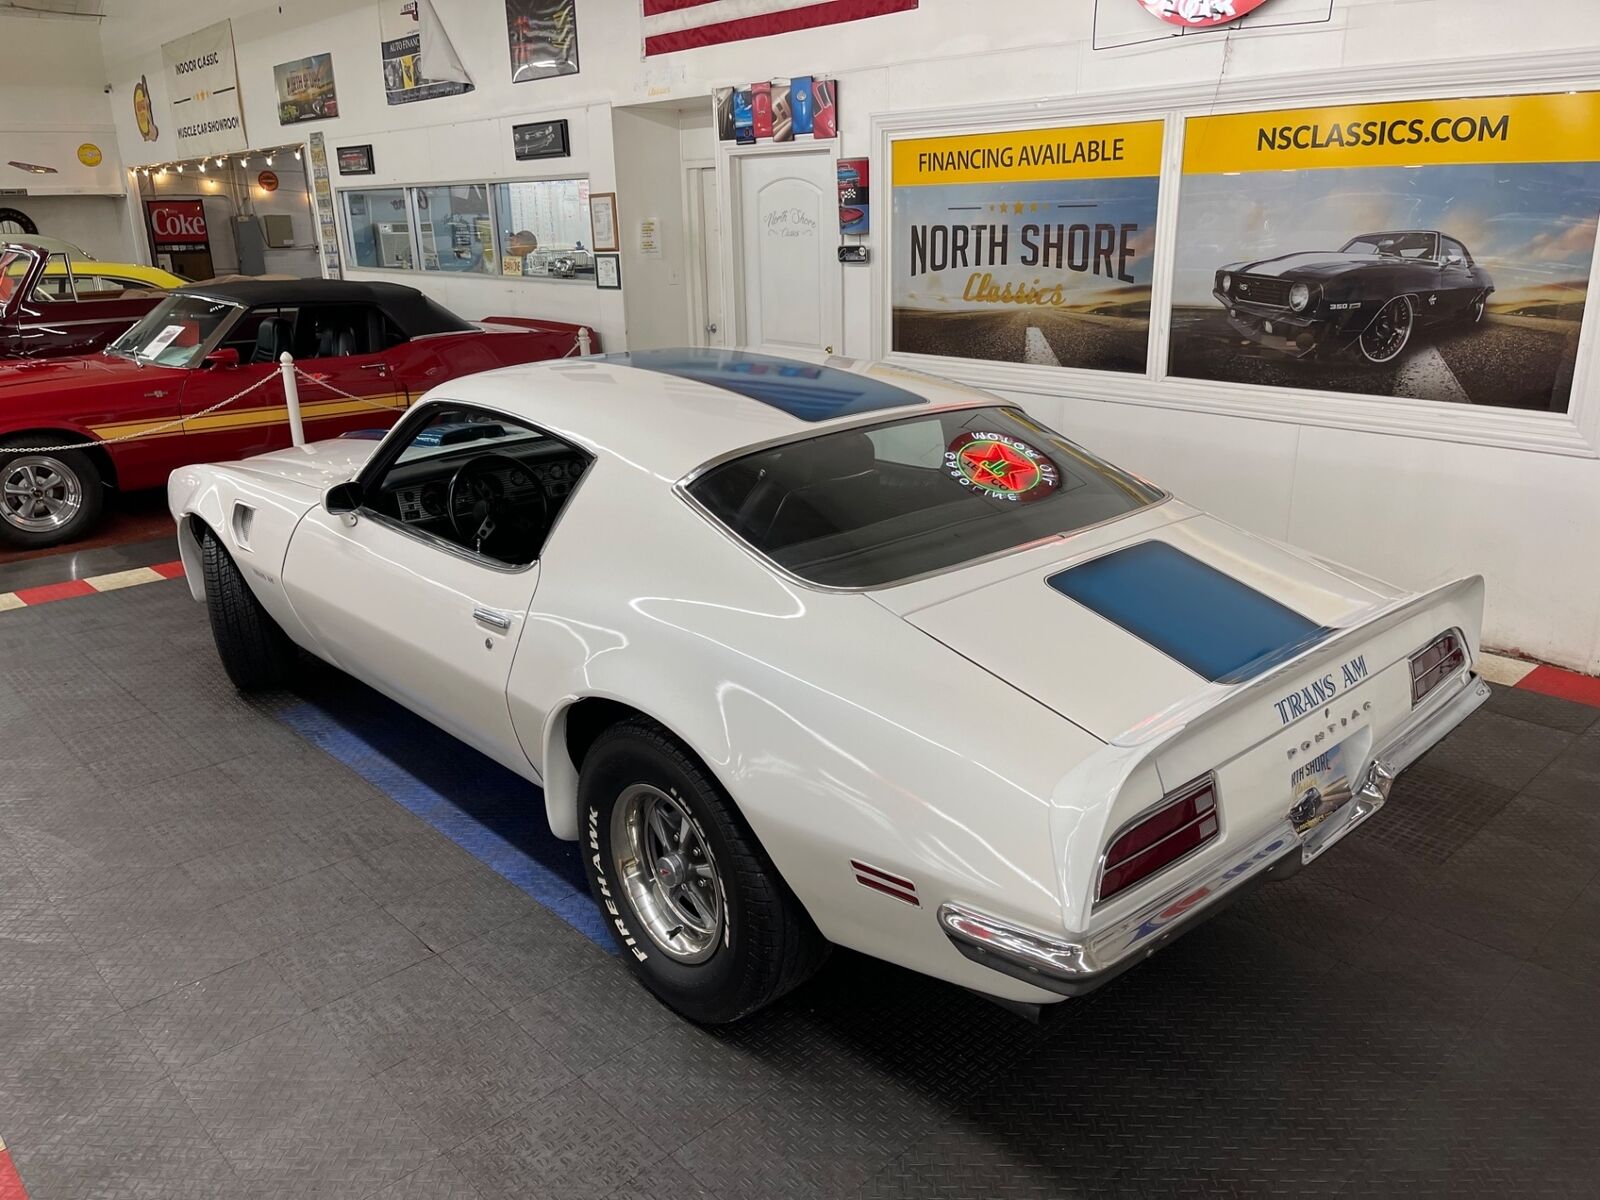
[543, 35]
[1032, 246]
[419, 60]
[322, 193]
[1437, 250]
[203, 82]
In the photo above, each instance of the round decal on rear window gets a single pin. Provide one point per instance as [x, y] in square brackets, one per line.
[1001, 467]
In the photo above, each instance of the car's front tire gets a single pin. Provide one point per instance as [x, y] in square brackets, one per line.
[46, 496]
[701, 915]
[1387, 336]
[255, 652]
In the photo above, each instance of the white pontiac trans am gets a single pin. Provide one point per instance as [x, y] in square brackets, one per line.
[816, 652]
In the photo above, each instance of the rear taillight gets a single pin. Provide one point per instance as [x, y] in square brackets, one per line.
[1434, 663]
[1184, 821]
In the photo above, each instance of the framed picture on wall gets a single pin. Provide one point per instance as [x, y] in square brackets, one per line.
[354, 160]
[541, 139]
[603, 220]
[608, 271]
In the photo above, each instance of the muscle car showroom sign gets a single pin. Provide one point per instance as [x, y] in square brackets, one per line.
[1437, 249]
[203, 85]
[1027, 246]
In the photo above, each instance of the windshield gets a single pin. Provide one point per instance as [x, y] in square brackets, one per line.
[175, 332]
[14, 267]
[1402, 245]
[870, 506]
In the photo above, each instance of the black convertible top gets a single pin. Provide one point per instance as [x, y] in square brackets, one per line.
[408, 308]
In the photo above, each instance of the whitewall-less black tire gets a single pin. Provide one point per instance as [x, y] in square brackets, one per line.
[46, 496]
[701, 915]
[255, 652]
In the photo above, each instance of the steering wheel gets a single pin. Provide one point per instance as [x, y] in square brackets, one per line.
[485, 510]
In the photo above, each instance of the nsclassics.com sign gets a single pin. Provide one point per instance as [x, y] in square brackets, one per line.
[203, 84]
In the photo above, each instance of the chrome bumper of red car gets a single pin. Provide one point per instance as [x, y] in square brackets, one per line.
[1073, 967]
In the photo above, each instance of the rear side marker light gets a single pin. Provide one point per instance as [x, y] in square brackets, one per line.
[1434, 663]
[1182, 823]
[881, 881]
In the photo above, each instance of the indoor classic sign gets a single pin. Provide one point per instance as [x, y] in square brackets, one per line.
[204, 86]
[1027, 246]
[1200, 14]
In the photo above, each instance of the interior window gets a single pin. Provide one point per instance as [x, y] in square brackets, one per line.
[481, 482]
[543, 228]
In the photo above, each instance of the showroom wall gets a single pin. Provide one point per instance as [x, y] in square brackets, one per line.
[52, 102]
[1385, 487]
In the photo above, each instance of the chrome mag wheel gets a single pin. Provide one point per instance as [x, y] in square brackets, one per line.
[667, 870]
[39, 493]
[1389, 332]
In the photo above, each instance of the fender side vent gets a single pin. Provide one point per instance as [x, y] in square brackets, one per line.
[243, 517]
[889, 885]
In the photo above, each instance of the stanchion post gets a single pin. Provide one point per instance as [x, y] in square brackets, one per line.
[585, 344]
[291, 396]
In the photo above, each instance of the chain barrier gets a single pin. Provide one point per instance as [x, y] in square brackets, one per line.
[165, 426]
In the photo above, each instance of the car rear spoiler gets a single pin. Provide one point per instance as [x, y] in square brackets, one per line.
[1461, 599]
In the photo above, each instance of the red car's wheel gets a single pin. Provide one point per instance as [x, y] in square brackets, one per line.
[46, 496]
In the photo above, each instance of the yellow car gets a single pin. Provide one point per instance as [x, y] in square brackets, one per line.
[79, 280]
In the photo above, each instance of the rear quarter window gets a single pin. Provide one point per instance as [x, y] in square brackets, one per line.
[871, 506]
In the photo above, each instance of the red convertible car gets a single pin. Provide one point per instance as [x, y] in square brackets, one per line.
[145, 402]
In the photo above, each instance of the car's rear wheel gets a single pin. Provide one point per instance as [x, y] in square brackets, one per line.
[255, 652]
[703, 919]
[46, 496]
[1390, 331]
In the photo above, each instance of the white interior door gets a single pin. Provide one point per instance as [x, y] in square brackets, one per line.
[705, 250]
[787, 272]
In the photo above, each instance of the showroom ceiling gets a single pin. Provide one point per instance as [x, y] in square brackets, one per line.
[91, 10]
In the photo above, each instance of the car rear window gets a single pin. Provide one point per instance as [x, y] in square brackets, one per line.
[878, 504]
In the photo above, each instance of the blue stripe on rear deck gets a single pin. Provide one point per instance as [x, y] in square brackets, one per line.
[803, 390]
[1208, 621]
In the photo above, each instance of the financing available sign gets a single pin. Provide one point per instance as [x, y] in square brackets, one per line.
[1028, 246]
[203, 82]
[1430, 249]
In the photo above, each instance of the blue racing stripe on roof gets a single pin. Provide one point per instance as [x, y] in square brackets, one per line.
[803, 390]
[1208, 621]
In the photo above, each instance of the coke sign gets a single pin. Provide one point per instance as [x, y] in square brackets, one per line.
[177, 222]
[1200, 14]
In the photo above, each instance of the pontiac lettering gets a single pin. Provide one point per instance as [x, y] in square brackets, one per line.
[1319, 692]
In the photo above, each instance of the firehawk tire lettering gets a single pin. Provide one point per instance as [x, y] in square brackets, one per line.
[604, 885]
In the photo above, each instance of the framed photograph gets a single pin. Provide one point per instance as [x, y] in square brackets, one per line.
[355, 160]
[541, 139]
[543, 35]
[305, 90]
[603, 220]
[608, 271]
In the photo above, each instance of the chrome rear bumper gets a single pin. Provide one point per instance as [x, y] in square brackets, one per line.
[1072, 967]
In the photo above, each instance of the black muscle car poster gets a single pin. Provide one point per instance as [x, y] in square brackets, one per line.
[1032, 246]
[1438, 250]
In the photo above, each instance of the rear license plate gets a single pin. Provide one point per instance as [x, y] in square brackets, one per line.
[1321, 787]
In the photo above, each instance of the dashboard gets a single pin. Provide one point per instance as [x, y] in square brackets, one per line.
[426, 501]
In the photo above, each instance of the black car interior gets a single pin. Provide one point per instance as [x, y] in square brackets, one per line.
[261, 335]
[490, 492]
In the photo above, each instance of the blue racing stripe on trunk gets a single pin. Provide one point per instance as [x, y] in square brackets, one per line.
[1208, 621]
[804, 390]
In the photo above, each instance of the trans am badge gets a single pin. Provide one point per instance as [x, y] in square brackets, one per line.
[1001, 467]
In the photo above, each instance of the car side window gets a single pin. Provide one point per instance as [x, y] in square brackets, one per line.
[1454, 249]
[477, 482]
[261, 334]
[337, 330]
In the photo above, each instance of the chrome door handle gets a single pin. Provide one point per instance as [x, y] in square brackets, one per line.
[491, 618]
[374, 366]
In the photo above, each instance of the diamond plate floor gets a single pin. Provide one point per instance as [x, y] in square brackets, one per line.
[232, 966]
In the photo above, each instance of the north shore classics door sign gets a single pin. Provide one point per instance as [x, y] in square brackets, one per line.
[1200, 14]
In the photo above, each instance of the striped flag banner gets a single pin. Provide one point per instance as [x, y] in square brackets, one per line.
[686, 24]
